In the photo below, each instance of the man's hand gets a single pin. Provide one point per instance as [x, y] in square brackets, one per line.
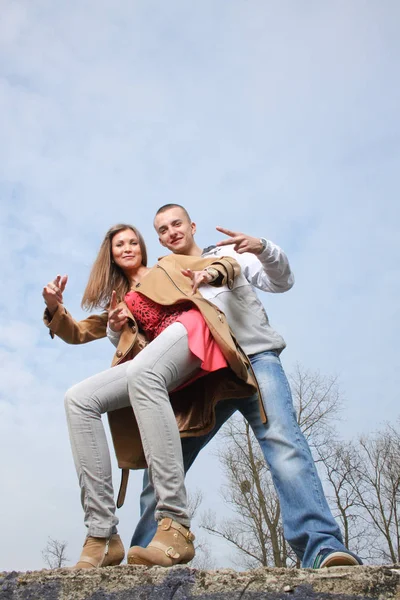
[242, 242]
[197, 277]
[117, 317]
[53, 293]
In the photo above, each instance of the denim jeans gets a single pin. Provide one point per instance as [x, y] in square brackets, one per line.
[309, 526]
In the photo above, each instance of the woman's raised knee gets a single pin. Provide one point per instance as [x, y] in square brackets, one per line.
[76, 401]
[70, 399]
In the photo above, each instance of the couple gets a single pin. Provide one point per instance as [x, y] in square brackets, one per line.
[181, 350]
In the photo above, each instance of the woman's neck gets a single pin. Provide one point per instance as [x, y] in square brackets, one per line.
[137, 275]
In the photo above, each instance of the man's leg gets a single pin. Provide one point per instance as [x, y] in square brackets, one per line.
[147, 525]
[308, 524]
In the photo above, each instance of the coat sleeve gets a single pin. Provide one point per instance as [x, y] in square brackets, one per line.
[64, 326]
[228, 268]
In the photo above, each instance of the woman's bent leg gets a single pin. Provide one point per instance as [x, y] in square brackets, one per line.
[84, 405]
[161, 367]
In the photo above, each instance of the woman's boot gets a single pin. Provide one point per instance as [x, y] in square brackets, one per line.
[171, 545]
[101, 552]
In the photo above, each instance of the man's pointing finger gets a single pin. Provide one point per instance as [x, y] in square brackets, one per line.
[227, 231]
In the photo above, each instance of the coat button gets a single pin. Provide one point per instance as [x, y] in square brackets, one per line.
[119, 353]
[230, 283]
[221, 318]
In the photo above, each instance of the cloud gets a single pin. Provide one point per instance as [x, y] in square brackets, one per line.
[277, 119]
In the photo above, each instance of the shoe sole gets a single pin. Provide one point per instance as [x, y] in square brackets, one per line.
[86, 565]
[137, 560]
[339, 559]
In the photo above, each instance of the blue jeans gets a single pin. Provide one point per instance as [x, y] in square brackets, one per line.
[308, 523]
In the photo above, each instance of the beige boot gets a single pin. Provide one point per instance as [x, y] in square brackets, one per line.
[101, 552]
[171, 545]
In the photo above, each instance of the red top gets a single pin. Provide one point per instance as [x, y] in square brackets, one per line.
[153, 318]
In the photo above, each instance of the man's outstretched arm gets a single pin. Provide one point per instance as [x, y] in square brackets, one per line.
[263, 263]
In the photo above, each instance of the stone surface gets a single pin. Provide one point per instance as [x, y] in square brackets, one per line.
[179, 583]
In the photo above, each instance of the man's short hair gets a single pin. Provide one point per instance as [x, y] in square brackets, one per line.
[168, 206]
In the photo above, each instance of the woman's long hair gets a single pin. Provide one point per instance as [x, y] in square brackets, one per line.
[105, 275]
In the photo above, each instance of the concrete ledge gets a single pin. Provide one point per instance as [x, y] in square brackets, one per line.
[180, 583]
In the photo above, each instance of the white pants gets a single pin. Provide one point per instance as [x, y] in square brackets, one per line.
[144, 382]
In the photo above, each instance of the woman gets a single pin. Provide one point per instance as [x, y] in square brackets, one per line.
[161, 301]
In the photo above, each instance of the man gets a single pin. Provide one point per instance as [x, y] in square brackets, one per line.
[309, 526]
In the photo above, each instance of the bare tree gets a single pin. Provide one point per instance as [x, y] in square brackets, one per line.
[375, 478]
[194, 499]
[339, 460]
[318, 402]
[203, 559]
[362, 478]
[256, 532]
[54, 553]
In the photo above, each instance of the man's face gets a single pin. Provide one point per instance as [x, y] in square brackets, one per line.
[175, 231]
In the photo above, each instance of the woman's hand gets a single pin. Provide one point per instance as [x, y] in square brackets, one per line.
[53, 293]
[117, 317]
[198, 277]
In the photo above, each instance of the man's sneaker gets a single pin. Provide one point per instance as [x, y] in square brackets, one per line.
[335, 558]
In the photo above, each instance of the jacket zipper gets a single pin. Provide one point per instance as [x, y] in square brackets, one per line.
[172, 281]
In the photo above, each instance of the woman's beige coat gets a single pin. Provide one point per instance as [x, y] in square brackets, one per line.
[194, 404]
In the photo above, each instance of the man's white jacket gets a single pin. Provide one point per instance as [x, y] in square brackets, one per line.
[270, 272]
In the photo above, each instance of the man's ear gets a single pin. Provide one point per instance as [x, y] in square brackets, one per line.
[193, 226]
[161, 242]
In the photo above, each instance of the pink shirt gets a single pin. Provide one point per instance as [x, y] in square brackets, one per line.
[153, 318]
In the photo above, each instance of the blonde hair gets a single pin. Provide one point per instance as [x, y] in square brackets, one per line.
[105, 275]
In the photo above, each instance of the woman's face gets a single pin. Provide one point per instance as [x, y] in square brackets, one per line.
[125, 250]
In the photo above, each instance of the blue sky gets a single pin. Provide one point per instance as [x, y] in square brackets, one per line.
[276, 118]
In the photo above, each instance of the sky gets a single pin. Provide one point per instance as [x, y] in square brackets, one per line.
[271, 117]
